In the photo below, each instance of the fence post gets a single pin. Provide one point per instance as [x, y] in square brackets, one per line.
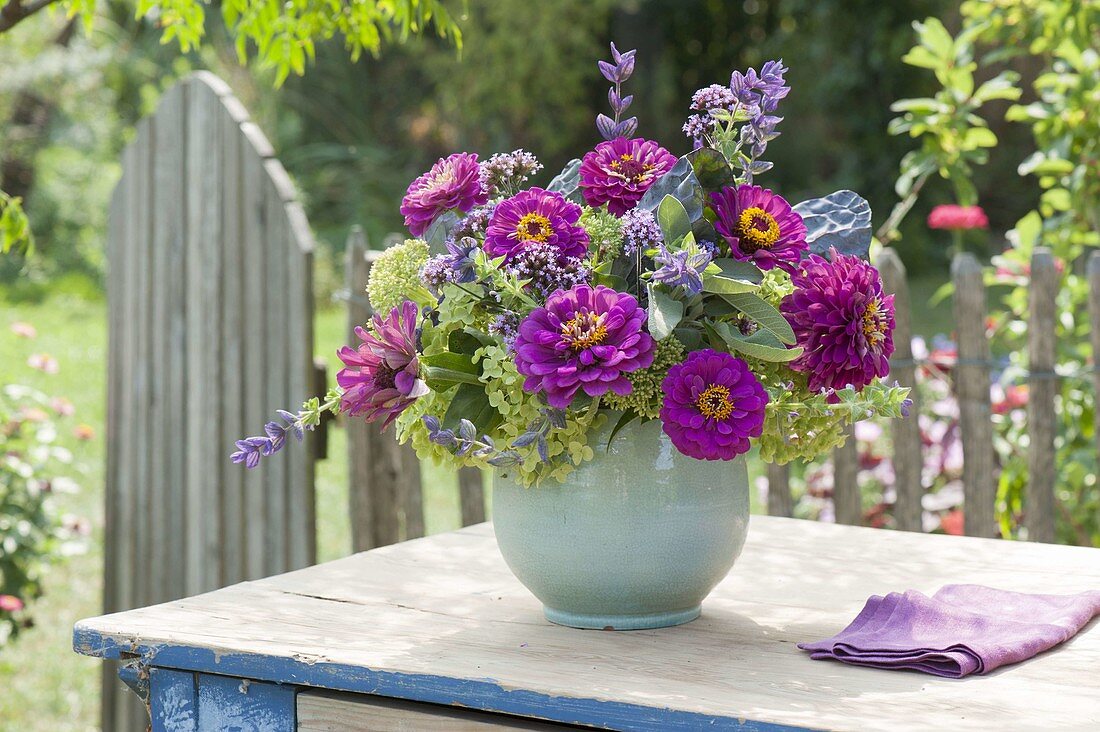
[1042, 386]
[906, 431]
[847, 500]
[471, 494]
[1093, 271]
[780, 502]
[384, 477]
[972, 385]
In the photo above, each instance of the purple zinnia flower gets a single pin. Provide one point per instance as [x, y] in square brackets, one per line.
[584, 338]
[759, 226]
[683, 268]
[535, 216]
[382, 377]
[453, 182]
[713, 404]
[843, 321]
[619, 172]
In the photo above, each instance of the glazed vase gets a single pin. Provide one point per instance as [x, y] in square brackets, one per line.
[635, 538]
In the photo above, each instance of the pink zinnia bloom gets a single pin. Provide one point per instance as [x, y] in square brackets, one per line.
[453, 182]
[535, 216]
[619, 172]
[10, 604]
[584, 338]
[44, 362]
[957, 217]
[23, 330]
[713, 404]
[759, 227]
[381, 378]
[842, 320]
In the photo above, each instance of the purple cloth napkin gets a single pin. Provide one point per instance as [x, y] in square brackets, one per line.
[961, 630]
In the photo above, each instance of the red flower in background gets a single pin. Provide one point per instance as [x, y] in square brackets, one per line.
[954, 217]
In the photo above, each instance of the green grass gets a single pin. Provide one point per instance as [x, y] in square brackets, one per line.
[44, 686]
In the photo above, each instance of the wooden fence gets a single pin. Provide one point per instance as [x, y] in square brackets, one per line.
[972, 384]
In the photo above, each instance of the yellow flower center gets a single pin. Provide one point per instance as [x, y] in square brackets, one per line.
[757, 229]
[714, 402]
[534, 227]
[584, 330]
[629, 169]
[874, 323]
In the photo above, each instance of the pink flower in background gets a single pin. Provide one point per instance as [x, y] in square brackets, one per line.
[62, 406]
[44, 362]
[954, 217]
[10, 604]
[24, 330]
[84, 432]
[453, 182]
[33, 414]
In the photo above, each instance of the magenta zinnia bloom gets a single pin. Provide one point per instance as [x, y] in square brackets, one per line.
[10, 604]
[584, 338]
[759, 226]
[957, 218]
[453, 182]
[535, 216]
[843, 321]
[382, 377]
[619, 172]
[713, 404]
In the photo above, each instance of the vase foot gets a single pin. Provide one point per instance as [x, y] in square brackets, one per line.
[621, 622]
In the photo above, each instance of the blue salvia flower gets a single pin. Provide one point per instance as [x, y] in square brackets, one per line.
[617, 71]
[251, 449]
[683, 268]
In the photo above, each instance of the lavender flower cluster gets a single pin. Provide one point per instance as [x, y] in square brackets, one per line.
[505, 173]
[547, 269]
[251, 449]
[640, 231]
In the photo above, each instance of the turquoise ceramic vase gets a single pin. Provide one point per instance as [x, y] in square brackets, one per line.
[635, 538]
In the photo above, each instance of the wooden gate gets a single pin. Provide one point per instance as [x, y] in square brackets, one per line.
[210, 330]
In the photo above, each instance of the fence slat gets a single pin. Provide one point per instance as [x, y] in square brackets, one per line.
[780, 502]
[471, 495]
[972, 387]
[906, 431]
[1042, 387]
[847, 501]
[383, 475]
[1093, 271]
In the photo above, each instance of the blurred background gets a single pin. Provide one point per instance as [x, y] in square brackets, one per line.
[352, 134]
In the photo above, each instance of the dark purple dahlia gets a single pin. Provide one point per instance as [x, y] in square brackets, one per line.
[619, 172]
[535, 216]
[759, 226]
[583, 338]
[453, 182]
[382, 377]
[843, 321]
[713, 404]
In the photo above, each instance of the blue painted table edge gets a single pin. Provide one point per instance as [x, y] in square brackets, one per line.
[481, 694]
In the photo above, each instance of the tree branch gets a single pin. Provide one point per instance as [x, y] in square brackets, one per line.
[15, 12]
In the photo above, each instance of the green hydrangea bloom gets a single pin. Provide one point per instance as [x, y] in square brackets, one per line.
[395, 276]
[604, 232]
[646, 396]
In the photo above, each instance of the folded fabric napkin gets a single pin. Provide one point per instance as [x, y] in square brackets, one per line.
[961, 630]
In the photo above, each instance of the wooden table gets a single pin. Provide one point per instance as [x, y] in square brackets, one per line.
[423, 634]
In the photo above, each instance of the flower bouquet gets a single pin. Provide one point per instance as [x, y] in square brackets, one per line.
[613, 343]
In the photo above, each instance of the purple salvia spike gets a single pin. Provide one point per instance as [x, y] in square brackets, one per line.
[609, 71]
[615, 55]
[613, 99]
[626, 68]
[606, 126]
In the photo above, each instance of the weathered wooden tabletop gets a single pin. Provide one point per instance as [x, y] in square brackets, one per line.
[442, 620]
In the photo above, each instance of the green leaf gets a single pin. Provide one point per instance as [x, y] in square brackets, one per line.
[921, 57]
[665, 313]
[936, 39]
[979, 137]
[472, 403]
[764, 314]
[735, 269]
[762, 344]
[444, 370]
[673, 218]
[725, 286]
[712, 169]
